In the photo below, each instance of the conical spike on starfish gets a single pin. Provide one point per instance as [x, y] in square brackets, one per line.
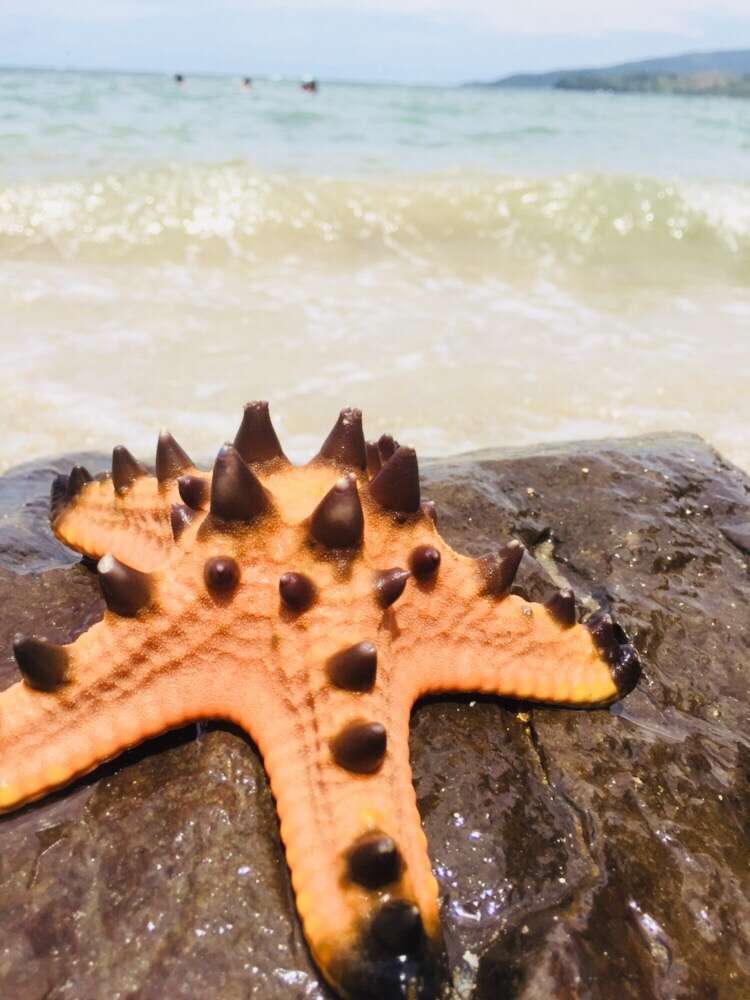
[125, 469]
[256, 439]
[171, 459]
[396, 486]
[345, 445]
[236, 492]
[304, 629]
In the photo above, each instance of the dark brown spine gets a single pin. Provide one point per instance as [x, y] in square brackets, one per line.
[125, 469]
[396, 486]
[171, 459]
[498, 571]
[562, 607]
[256, 439]
[338, 521]
[43, 665]
[297, 591]
[354, 668]
[180, 517]
[78, 478]
[345, 445]
[360, 747]
[126, 591]
[615, 647]
[221, 574]
[389, 585]
[387, 445]
[424, 561]
[374, 861]
[195, 491]
[397, 927]
[236, 492]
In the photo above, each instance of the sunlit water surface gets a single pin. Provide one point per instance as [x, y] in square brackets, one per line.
[472, 268]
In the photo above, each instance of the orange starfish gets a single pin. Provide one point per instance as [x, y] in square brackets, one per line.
[312, 606]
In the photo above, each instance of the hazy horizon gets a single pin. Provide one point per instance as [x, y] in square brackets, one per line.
[280, 77]
[397, 41]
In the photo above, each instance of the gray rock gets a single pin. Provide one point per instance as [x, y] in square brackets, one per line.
[586, 854]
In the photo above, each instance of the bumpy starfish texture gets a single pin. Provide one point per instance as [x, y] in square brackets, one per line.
[312, 606]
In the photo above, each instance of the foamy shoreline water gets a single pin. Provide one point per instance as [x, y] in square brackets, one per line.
[154, 269]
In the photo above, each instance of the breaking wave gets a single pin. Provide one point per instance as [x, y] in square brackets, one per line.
[599, 225]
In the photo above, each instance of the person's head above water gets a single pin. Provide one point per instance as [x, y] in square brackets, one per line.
[179, 78]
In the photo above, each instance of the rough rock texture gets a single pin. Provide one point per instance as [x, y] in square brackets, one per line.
[580, 854]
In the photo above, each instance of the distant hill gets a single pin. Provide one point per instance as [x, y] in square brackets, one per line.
[732, 65]
[701, 84]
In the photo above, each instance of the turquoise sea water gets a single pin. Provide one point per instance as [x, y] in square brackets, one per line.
[471, 267]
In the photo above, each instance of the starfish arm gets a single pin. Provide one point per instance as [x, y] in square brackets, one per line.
[464, 640]
[118, 689]
[134, 526]
[354, 842]
[128, 513]
[149, 666]
[125, 680]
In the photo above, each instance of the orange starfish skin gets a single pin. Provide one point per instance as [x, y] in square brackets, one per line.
[134, 527]
[315, 629]
[126, 514]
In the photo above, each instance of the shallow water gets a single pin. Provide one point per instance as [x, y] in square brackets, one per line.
[471, 268]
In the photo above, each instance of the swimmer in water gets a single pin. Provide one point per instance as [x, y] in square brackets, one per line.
[179, 79]
[246, 83]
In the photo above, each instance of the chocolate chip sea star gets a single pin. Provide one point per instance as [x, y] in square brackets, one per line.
[312, 606]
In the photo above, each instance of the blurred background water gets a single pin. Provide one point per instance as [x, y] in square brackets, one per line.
[471, 267]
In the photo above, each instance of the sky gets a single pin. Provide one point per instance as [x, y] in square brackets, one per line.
[423, 41]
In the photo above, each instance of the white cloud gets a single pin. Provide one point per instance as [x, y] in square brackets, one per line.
[556, 16]
[544, 17]
[96, 10]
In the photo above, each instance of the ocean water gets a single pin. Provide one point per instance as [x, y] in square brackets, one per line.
[470, 267]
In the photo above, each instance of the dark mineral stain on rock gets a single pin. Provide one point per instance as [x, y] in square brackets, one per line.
[578, 853]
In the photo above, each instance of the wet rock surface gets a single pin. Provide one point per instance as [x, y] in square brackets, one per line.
[579, 853]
